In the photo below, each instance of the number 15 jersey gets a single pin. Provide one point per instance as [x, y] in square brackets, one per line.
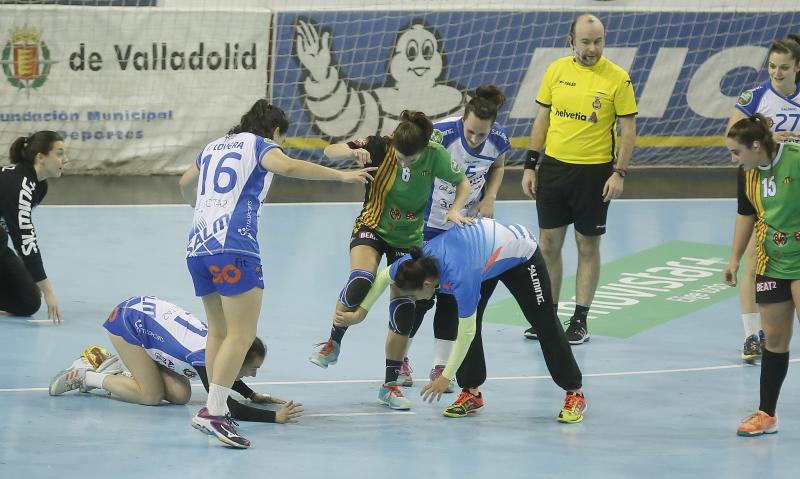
[230, 189]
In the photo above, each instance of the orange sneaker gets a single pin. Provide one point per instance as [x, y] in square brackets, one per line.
[757, 424]
[574, 406]
[467, 403]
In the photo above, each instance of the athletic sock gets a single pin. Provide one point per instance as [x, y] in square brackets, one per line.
[94, 380]
[773, 371]
[751, 323]
[441, 351]
[217, 402]
[392, 370]
[337, 333]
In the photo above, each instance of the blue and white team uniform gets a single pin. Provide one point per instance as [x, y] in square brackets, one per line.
[475, 163]
[223, 253]
[471, 261]
[784, 112]
[172, 337]
[468, 256]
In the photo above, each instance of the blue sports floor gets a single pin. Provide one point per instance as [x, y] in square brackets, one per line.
[662, 403]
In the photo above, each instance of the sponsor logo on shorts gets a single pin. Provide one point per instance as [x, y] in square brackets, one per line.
[140, 329]
[367, 235]
[164, 361]
[766, 285]
[228, 274]
[188, 373]
[114, 314]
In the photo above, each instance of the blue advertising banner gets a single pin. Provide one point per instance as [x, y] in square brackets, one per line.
[341, 75]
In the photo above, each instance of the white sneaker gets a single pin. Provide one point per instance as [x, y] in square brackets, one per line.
[391, 395]
[67, 380]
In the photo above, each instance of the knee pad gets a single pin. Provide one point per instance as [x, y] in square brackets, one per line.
[401, 315]
[357, 287]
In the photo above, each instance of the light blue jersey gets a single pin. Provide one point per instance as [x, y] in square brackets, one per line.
[470, 255]
[172, 337]
[230, 189]
[784, 112]
[475, 164]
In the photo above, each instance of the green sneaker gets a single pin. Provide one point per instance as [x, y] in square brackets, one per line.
[574, 407]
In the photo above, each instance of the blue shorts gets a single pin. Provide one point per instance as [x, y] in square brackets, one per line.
[228, 274]
[119, 323]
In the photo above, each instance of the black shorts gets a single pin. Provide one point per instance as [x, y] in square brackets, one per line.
[366, 236]
[568, 193]
[773, 290]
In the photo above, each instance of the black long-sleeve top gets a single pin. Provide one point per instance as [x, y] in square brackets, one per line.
[20, 192]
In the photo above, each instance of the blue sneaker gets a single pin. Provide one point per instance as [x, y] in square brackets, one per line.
[391, 395]
[327, 355]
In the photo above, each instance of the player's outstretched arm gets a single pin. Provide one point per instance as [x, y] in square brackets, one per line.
[277, 161]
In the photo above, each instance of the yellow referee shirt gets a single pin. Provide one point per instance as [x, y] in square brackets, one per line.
[584, 105]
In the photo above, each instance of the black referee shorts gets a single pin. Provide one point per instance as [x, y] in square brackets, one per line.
[568, 193]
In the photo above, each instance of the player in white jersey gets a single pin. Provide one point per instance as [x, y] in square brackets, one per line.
[467, 263]
[779, 100]
[478, 144]
[226, 186]
[164, 346]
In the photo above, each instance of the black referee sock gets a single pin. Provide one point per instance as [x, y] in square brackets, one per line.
[773, 372]
[581, 312]
[392, 370]
[337, 333]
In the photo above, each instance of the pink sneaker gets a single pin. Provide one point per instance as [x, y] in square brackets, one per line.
[436, 372]
[404, 378]
[223, 427]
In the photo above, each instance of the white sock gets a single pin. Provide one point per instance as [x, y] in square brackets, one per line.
[752, 324]
[217, 402]
[94, 379]
[408, 346]
[441, 351]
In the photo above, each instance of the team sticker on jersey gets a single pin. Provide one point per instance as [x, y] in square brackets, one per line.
[745, 98]
[779, 238]
[597, 104]
[395, 214]
[437, 136]
[454, 166]
[361, 142]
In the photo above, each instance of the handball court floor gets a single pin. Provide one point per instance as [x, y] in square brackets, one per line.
[664, 402]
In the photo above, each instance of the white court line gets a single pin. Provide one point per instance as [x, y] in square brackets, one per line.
[496, 378]
[352, 414]
[39, 320]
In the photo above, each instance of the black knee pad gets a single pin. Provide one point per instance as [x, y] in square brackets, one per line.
[357, 287]
[401, 315]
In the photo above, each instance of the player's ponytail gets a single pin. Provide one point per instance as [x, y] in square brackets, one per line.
[25, 148]
[412, 134]
[262, 119]
[749, 130]
[412, 273]
[486, 102]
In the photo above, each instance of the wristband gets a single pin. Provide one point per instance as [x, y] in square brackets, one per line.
[531, 160]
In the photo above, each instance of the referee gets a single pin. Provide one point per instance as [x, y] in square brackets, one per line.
[582, 97]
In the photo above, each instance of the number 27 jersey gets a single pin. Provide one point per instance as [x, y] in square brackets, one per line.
[230, 189]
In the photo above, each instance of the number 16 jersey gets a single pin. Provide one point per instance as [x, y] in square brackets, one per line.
[230, 189]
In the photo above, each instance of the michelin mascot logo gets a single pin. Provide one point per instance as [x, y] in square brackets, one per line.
[342, 111]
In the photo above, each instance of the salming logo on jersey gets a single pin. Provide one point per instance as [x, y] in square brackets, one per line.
[24, 217]
[379, 190]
